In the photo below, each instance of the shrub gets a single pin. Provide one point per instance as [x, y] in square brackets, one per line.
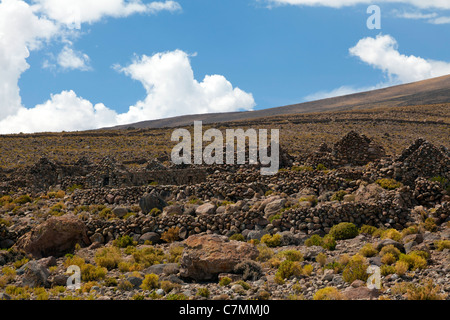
[243, 284]
[414, 261]
[292, 255]
[329, 242]
[321, 258]
[125, 285]
[339, 195]
[430, 225]
[155, 212]
[390, 249]
[224, 281]
[368, 250]
[328, 293]
[442, 244]
[312, 199]
[148, 256]
[168, 286]
[237, 237]
[108, 258]
[356, 269]
[410, 230]
[90, 272]
[428, 291]
[203, 292]
[271, 241]
[23, 199]
[392, 234]
[124, 242]
[287, 269]
[385, 270]
[171, 235]
[265, 253]
[302, 168]
[307, 270]
[175, 253]
[368, 229]
[176, 296]
[401, 267]
[321, 167]
[315, 240]
[150, 282]
[250, 270]
[388, 184]
[344, 230]
[388, 258]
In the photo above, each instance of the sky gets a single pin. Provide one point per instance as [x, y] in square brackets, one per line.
[70, 65]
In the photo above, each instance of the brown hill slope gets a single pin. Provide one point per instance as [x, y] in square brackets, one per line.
[432, 91]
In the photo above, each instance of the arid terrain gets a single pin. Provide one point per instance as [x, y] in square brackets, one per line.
[356, 188]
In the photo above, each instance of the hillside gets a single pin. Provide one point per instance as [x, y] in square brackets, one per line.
[432, 91]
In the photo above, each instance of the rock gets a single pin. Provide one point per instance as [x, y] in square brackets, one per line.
[369, 193]
[59, 280]
[54, 237]
[206, 256]
[97, 237]
[361, 293]
[387, 242]
[109, 198]
[163, 269]
[288, 238]
[6, 243]
[48, 262]
[206, 209]
[418, 238]
[160, 292]
[173, 210]
[274, 207]
[120, 212]
[36, 275]
[153, 237]
[312, 252]
[150, 201]
[256, 234]
[135, 281]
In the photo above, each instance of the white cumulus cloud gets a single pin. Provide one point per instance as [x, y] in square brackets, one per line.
[70, 59]
[63, 112]
[382, 53]
[89, 11]
[172, 90]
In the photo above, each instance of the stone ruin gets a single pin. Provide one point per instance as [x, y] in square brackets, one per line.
[108, 173]
[352, 150]
[422, 159]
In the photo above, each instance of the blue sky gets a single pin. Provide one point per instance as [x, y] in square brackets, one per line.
[133, 63]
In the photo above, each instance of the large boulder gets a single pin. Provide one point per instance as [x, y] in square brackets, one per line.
[35, 275]
[206, 256]
[55, 237]
[150, 201]
[206, 209]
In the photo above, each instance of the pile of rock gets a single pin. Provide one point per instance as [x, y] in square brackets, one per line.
[352, 150]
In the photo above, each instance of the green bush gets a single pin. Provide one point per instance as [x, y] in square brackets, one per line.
[225, 281]
[329, 242]
[368, 250]
[339, 195]
[356, 269]
[124, 242]
[237, 237]
[392, 234]
[388, 184]
[150, 282]
[287, 269]
[314, 240]
[271, 241]
[344, 230]
[328, 293]
[368, 229]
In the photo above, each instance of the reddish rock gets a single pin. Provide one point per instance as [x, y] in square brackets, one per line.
[54, 237]
[206, 256]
